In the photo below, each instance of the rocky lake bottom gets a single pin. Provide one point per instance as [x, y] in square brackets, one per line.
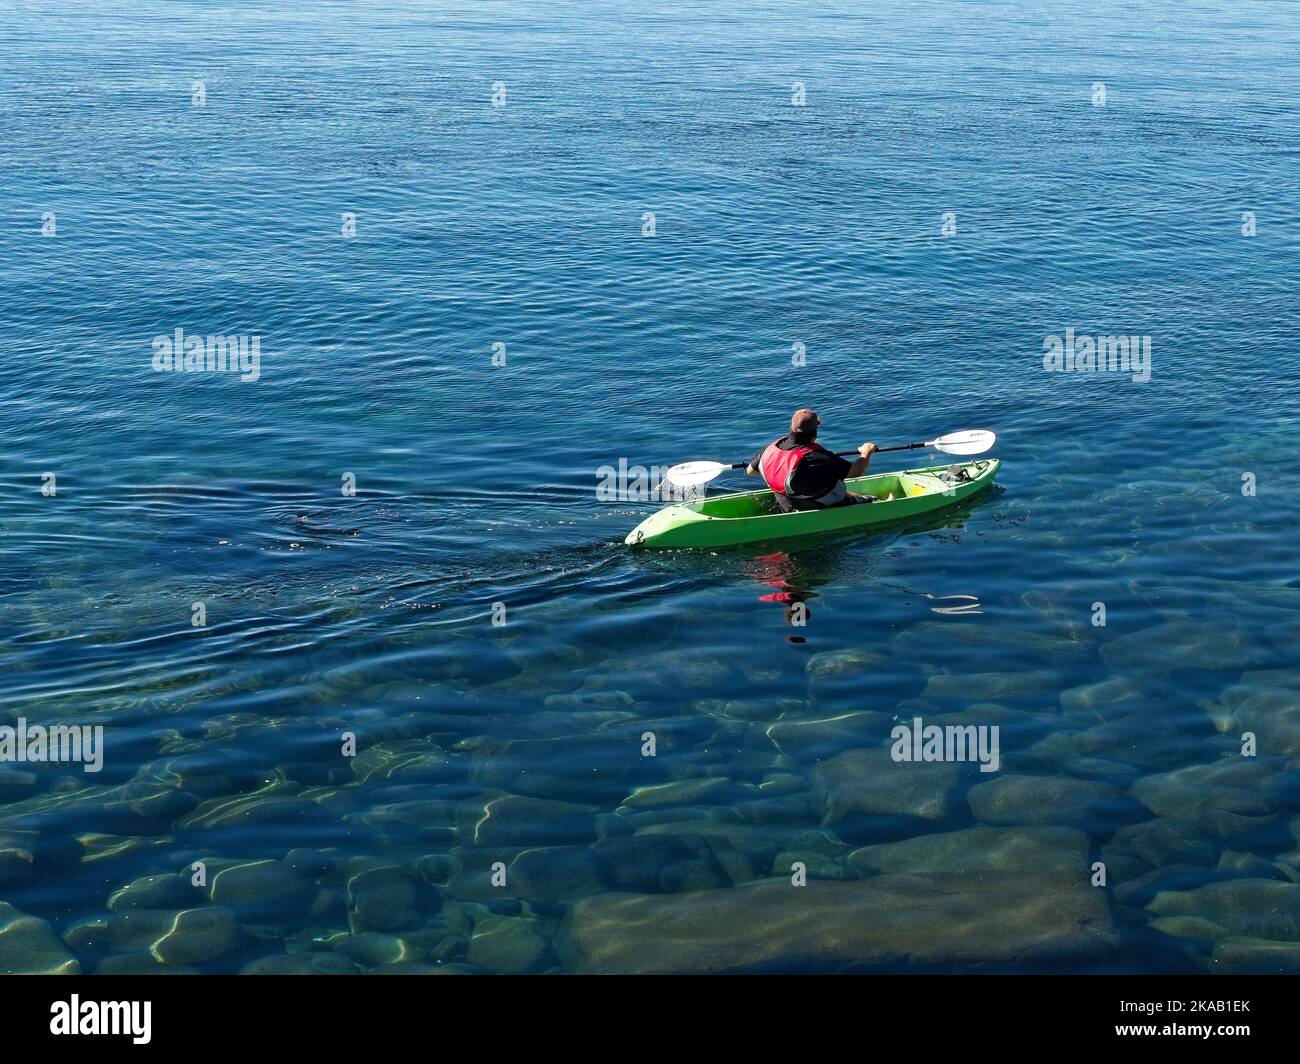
[510, 827]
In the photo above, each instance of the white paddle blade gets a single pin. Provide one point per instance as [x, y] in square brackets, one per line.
[971, 441]
[693, 474]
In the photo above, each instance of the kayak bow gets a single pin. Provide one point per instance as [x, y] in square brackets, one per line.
[752, 516]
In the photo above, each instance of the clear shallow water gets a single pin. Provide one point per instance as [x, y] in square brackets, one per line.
[522, 226]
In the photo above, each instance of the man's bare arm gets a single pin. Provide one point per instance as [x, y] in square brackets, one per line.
[860, 465]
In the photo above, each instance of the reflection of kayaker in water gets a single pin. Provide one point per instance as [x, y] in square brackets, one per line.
[804, 475]
[772, 569]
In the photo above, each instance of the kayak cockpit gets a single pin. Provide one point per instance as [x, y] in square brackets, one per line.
[762, 504]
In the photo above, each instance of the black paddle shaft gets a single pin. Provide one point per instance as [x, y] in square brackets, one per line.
[882, 450]
[879, 450]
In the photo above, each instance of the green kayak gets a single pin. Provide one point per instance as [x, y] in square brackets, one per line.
[752, 516]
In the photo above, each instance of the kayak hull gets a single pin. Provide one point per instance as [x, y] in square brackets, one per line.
[752, 516]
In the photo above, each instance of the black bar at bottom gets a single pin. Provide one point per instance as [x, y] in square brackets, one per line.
[884, 1013]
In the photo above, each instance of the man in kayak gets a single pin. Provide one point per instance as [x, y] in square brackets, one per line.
[804, 475]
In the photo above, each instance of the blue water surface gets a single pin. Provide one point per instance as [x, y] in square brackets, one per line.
[958, 182]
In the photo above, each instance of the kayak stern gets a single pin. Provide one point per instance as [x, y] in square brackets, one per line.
[670, 527]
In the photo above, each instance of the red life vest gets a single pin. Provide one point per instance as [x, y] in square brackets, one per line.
[778, 466]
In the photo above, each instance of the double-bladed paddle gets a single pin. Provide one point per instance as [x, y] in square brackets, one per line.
[966, 442]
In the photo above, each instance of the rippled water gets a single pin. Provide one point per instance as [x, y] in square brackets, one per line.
[372, 614]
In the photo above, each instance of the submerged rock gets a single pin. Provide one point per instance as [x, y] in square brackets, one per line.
[1197, 932]
[1230, 799]
[1163, 842]
[420, 822]
[105, 849]
[17, 857]
[1255, 956]
[992, 686]
[235, 815]
[693, 669]
[730, 840]
[385, 897]
[1141, 742]
[597, 769]
[1086, 804]
[301, 964]
[815, 740]
[1097, 768]
[919, 640]
[141, 964]
[1249, 866]
[781, 783]
[867, 791]
[135, 808]
[816, 866]
[1285, 635]
[702, 790]
[260, 891]
[188, 936]
[928, 919]
[505, 944]
[852, 662]
[166, 891]
[1272, 713]
[1183, 644]
[467, 662]
[1222, 718]
[474, 881]
[437, 868]
[311, 863]
[29, 946]
[419, 968]
[791, 809]
[87, 935]
[1118, 696]
[1055, 853]
[1275, 677]
[1249, 908]
[446, 969]
[16, 784]
[417, 761]
[28, 852]
[370, 948]
[1137, 890]
[665, 861]
[732, 709]
[559, 873]
[514, 820]
[434, 943]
